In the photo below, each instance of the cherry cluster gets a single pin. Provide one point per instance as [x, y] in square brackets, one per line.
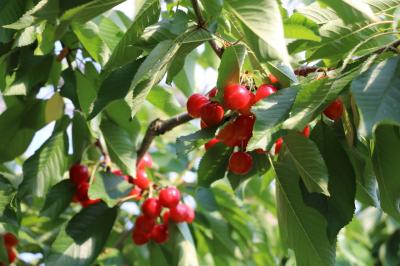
[79, 176]
[238, 131]
[10, 241]
[146, 227]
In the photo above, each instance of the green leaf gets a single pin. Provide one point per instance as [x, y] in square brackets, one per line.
[230, 67]
[300, 27]
[6, 193]
[115, 86]
[10, 11]
[270, 113]
[164, 100]
[84, 237]
[81, 136]
[188, 143]
[308, 161]
[262, 23]
[342, 184]
[183, 246]
[302, 226]
[58, 199]
[109, 32]
[47, 166]
[386, 156]
[109, 187]
[120, 146]
[126, 50]
[377, 94]
[259, 168]
[88, 35]
[212, 8]
[213, 165]
[351, 10]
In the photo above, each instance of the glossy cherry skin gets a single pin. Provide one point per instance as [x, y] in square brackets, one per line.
[244, 127]
[278, 145]
[240, 163]
[228, 135]
[169, 197]
[273, 79]
[12, 256]
[264, 91]
[78, 174]
[151, 208]
[89, 202]
[247, 110]
[236, 97]
[212, 114]
[144, 224]
[306, 131]
[190, 215]
[160, 233]
[82, 192]
[211, 143]
[140, 238]
[10, 240]
[212, 93]
[166, 216]
[335, 110]
[136, 193]
[145, 162]
[202, 124]
[179, 213]
[141, 179]
[195, 103]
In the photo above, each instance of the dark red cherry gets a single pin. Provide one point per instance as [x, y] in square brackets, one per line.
[278, 145]
[151, 208]
[169, 197]
[179, 213]
[244, 127]
[78, 174]
[335, 110]
[144, 224]
[211, 143]
[212, 114]
[306, 131]
[10, 240]
[141, 179]
[264, 91]
[145, 162]
[212, 93]
[240, 163]
[195, 103]
[160, 233]
[236, 97]
[140, 238]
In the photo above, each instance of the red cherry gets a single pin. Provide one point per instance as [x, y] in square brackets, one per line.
[240, 163]
[264, 91]
[195, 103]
[140, 238]
[12, 256]
[78, 174]
[144, 224]
[82, 192]
[228, 135]
[212, 93]
[335, 110]
[211, 143]
[260, 151]
[306, 131]
[169, 197]
[247, 110]
[212, 114]
[119, 173]
[89, 202]
[236, 97]
[179, 213]
[141, 180]
[278, 145]
[272, 78]
[166, 216]
[160, 233]
[145, 162]
[244, 127]
[151, 208]
[202, 124]
[190, 215]
[136, 193]
[10, 240]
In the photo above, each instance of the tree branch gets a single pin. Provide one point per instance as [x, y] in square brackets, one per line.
[202, 23]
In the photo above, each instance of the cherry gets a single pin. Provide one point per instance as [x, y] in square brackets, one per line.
[240, 163]
[244, 127]
[211, 143]
[228, 135]
[136, 193]
[212, 113]
[272, 78]
[10, 240]
[78, 174]
[82, 192]
[87, 203]
[169, 197]
[264, 91]
[195, 103]
[306, 131]
[145, 162]
[202, 124]
[166, 216]
[140, 238]
[118, 172]
[247, 110]
[236, 97]
[190, 215]
[12, 256]
[141, 180]
[151, 208]
[160, 233]
[212, 93]
[335, 110]
[179, 213]
[278, 145]
[144, 224]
